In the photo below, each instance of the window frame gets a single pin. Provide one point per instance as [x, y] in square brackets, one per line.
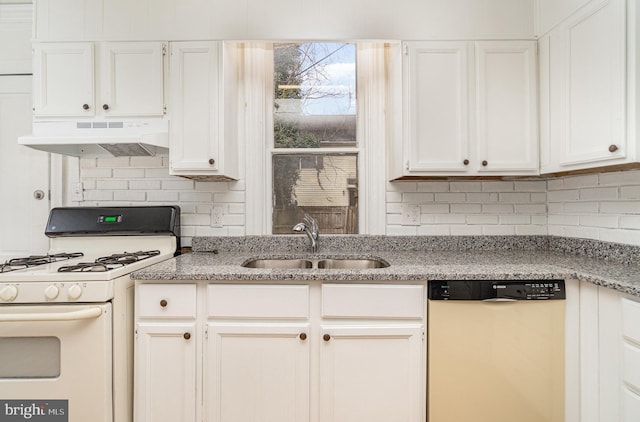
[372, 85]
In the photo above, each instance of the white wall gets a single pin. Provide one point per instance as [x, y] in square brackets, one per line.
[603, 206]
[77, 20]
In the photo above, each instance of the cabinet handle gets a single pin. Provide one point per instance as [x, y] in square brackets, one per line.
[212, 161]
[465, 162]
[326, 337]
[485, 163]
[186, 336]
[613, 148]
[303, 336]
[105, 106]
[163, 303]
[85, 106]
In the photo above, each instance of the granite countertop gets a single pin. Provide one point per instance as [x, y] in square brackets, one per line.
[411, 259]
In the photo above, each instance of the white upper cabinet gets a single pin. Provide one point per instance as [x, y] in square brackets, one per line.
[63, 80]
[506, 107]
[584, 97]
[129, 78]
[469, 108]
[204, 92]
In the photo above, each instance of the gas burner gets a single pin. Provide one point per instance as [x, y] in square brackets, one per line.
[33, 260]
[106, 263]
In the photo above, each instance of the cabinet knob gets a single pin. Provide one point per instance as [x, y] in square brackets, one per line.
[105, 106]
[485, 163]
[163, 303]
[303, 336]
[613, 148]
[186, 336]
[326, 337]
[212, 161]
[85, 106]
[465, 162]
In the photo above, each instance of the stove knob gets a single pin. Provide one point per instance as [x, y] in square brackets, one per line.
[51, 292]
[75, 292]
[8, 293]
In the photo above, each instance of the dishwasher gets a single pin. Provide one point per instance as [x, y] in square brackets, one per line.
[496, 351]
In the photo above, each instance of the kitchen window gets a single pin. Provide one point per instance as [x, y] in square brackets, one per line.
[314, 154]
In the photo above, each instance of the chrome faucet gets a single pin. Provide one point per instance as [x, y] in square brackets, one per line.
[309, 225]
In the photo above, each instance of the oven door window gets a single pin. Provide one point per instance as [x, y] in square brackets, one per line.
[29, 357]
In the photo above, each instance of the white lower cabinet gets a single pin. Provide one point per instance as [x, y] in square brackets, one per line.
[257, 372]
[165, 353]
[630, 371]
[279, 353]
[371, 373]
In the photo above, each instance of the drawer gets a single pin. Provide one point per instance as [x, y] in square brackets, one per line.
[630, 318]
[166, 300]
[631, 365]
[243, 301]
[372, 301]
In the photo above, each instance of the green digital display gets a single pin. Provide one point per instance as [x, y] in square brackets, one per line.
[110, 219]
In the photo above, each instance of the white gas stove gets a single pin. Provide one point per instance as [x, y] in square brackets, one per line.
[71, 312]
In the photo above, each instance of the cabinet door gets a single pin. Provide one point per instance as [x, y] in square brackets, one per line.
[195, 112]
[594, 54]
[506, 107]
[132, 79]
[436, 90]
[372, 373]
[165, 372]
[63, 79]
[257, 372]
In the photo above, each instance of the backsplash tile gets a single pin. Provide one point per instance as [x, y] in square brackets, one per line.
[603, 206]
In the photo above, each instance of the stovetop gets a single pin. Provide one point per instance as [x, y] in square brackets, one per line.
[34, 260]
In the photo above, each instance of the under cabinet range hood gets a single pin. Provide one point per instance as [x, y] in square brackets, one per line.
[100, 139]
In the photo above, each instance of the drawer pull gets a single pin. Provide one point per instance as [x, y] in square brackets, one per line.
[613, 148]
[303, 336]
[186, 336]
[326, 337]
[164, 303]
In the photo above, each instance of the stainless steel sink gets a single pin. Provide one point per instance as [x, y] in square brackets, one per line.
[351, 264]
[278, 263]
[327, 263]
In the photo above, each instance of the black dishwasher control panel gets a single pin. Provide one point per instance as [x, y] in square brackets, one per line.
[496, 290]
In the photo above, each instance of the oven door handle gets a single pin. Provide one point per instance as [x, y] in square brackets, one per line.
[89, 313]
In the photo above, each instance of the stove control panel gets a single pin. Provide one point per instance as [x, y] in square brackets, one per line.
[56, 292]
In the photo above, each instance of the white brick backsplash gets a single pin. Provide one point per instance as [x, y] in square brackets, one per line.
[603, 206]
[497, 186]
[573, 182]
[162, 196]
[95, 173]
[178, 184]
[465, 187]
[465, 208]
[195, 197]
[417, 198]
[113, 162]
[450, 197]
[146, 162]
[130, 195]
[497, 209]
[128, 173]
[433, 186]
[144, 184]
[515, 198]
[630, 222]
[482, 198]
[112, 184]
[630, 192]
[598, 194]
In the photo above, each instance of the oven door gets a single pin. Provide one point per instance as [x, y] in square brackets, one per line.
[56, 363]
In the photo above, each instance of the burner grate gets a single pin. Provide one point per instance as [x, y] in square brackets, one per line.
[111, 262]
[34, 260]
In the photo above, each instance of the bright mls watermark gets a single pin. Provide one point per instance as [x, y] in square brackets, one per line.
[34, 410]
